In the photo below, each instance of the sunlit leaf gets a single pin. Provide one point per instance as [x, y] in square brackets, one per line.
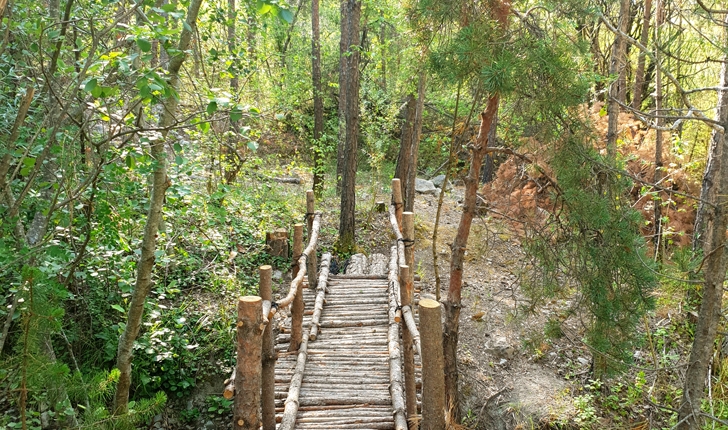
[144, 44]
[253, 145]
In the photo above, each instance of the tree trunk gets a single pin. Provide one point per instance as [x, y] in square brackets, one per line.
[318, 101]
[639, 74]
[657, 214]
[404, 158]
[406, 168]
[714, 220]
[350, 60]
[344, 59]
[452, 303]
[154, 217]
[617, 67]
[231, 42]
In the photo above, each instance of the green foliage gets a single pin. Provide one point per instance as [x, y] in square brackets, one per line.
[593, 244]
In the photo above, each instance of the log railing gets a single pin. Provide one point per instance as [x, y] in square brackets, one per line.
[429, 352]
[253, 379]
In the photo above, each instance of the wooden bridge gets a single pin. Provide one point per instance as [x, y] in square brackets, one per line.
[349, 356]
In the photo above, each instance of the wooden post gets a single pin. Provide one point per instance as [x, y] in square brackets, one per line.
[408, 234]
[297, 306]
[268, 399]
[410, 387]
[277, 241]
[397, 200]
[433, 378]
[248, 370]
[311, 263]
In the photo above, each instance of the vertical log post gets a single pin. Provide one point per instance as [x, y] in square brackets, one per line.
[297, 306]
[408, 234]
[397, 200]
[433, 378]
[268, 399]
[410, 387]
[311, 263]
[249, 358]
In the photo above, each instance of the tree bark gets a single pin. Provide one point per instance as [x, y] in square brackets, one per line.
[657, 213]
[452, 303]
[154, 217]
[406, 168]
[715, 221]
[639, 74]
[351, 11]
[617, 67]
[318, 101]
[344, 59]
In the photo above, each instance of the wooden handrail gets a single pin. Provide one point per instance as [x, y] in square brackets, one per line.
[395, 364]
[298, 280]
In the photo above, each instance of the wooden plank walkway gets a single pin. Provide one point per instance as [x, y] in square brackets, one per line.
[346, 383]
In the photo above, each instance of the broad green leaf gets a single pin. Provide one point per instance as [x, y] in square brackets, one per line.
[144, 44]
[236, 115]
[264, 8]
[253, 145]
[29, 162]
[187, 26]
[204, 127]
[286, 15]
[90, 85]
[280, 117]
[130, 161]
[211, 107]
[179, 160]
[177, 147]
[169, 7]
[118, 308]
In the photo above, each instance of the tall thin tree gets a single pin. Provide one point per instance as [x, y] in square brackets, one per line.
[351, 12]
[160, 184]
[714, 221]
[318, 101]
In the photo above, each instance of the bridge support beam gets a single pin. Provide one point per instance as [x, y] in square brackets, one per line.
[405, 299]
[433, 378]
[249, 363]
[397, 201]
[311, 263]
[268, 399]
[297, 306]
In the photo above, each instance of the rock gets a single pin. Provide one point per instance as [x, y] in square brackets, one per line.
[209, 424]
[277, 274]
[536, 396]
[501, 348]
[378, 264]
[582, 360]
[424, 186]
[439, 180]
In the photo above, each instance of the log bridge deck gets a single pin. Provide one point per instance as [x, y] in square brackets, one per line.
[346, 382]
[349, 355]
